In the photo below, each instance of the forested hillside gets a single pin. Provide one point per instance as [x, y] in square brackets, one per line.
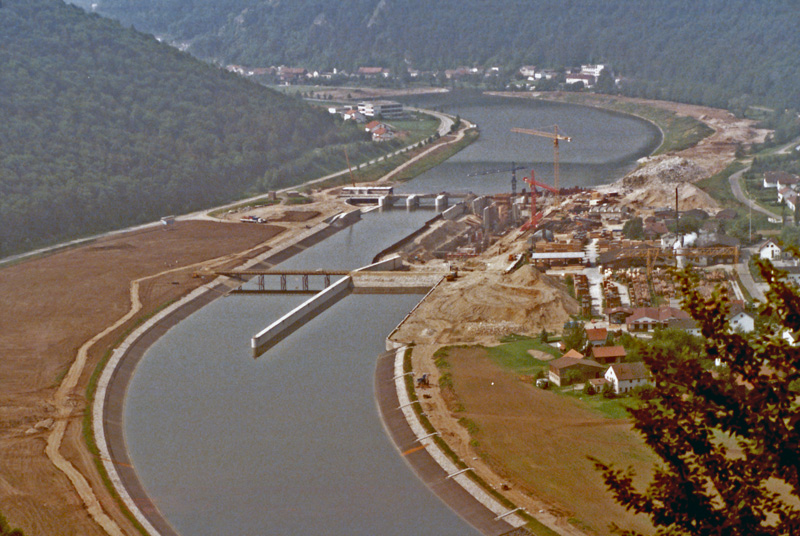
[102, 127]
[711, 51]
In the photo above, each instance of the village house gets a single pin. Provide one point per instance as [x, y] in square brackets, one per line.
[586, 79]
[742, 322]
[608, 354]
[373, 72]
[772, 179]
[574, 354]
[354, 115]
[625, 377]
[567, 370]
[770, 250]
[291, 74]
[597, 336]
[528, 71]
[649, 318]
[593, 70]
[382, 134]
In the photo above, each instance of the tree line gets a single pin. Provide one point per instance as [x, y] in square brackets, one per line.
[105, 127]
[723, 53]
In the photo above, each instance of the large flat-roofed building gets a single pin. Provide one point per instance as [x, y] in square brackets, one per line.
[383, 108]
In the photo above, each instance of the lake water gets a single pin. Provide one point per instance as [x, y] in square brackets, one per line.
[291, 443]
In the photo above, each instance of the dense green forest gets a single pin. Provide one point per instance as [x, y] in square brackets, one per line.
[717, 52]
[102, 127]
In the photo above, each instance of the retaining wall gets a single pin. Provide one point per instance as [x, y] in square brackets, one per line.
[301, 314]
[272, 334]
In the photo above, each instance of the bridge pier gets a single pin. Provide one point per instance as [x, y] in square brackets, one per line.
[412, 201]
[441, 202]
[385, 201]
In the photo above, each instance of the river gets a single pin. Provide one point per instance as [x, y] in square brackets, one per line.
[291, 442]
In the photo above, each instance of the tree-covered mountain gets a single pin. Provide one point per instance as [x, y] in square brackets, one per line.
[103, 127]
[708, 51]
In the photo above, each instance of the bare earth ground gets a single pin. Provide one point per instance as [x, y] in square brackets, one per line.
[52, 305]
[656, 179]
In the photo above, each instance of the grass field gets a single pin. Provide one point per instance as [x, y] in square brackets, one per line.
[539, 440]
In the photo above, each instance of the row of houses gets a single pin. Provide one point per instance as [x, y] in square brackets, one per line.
[605, 366]
[648, 319]
[587, 74]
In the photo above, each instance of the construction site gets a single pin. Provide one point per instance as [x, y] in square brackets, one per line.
[516, 263]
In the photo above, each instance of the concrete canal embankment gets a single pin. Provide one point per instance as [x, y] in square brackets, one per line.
[108, 408]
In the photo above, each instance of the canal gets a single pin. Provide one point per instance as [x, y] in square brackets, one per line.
[291, 443]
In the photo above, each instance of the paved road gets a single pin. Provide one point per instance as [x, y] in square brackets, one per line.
[736, 187]
[749, 283]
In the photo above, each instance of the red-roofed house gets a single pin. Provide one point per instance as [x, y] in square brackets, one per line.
[574, 354]
[608, 354]
[597, 336]
[372, 72]
[382, 134]
[567, 370]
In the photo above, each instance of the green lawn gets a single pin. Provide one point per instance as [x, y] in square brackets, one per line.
[513, 354]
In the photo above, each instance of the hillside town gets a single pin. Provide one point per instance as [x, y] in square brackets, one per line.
[526, 77]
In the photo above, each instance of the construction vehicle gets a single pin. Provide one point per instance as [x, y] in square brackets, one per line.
[555, 136]
[453, 275]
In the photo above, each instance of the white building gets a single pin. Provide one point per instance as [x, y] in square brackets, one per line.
[769, 250]
[587, 79]
[624, 377]
[593, 70]
[387, 109]
[742, 322]
[528, 71]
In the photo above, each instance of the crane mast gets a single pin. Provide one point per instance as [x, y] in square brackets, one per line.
[555, 136]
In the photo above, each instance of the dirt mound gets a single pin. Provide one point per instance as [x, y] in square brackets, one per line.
[664, 169]
[480, 306]
[653, 184]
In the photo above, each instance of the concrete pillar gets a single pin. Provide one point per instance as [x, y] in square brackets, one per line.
[385, 201]
[478, 204]
[412, 201]
[489, 218]
[441, 202]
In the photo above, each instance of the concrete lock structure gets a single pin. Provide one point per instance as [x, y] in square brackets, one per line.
[307, 310]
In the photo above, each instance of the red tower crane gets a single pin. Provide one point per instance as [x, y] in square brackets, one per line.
[536, 216]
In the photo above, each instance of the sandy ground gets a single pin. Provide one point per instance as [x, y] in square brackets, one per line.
[52, 306]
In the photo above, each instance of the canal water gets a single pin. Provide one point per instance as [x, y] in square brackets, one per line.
[291, 442]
